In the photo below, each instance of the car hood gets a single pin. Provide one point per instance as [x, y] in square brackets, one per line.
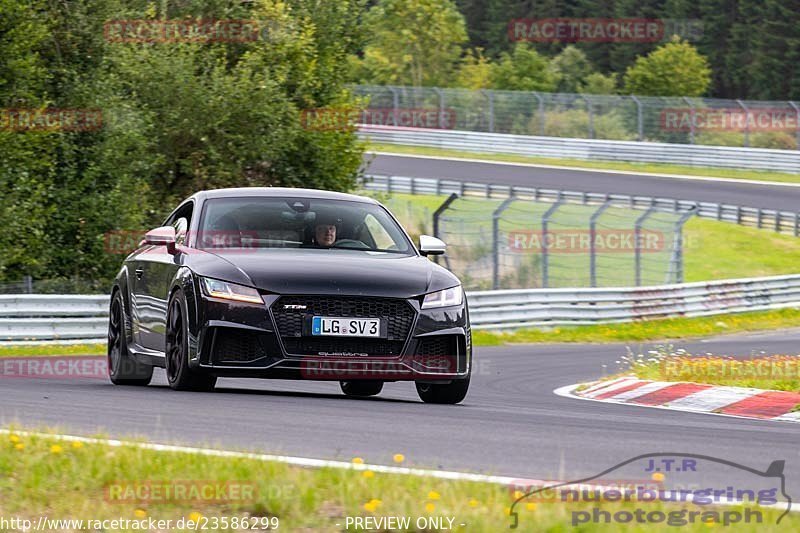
[345, 272]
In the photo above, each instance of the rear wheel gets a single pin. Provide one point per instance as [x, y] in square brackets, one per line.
[453, 392]
[123, 369]
[179, 375]
[361, 388]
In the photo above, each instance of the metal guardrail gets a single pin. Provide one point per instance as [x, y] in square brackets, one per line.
[589, 149]
[507, 309]
[37, 317]
[787, 222]
[51, 317]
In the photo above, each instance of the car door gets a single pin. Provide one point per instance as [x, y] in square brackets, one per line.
[154, 273]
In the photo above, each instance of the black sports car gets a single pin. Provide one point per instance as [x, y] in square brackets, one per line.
[290, 284]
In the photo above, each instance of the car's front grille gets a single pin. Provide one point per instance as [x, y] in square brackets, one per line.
[290, 312]
[438, 345]
[441, 353]
[234, 346]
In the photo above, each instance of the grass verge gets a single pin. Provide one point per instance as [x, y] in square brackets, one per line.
[25, 350]
[652, 168]
[771, 372]
[42, 476]
[712, 249]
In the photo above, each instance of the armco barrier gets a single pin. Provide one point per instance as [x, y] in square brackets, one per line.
[781, 221]
[589, 149]
[66, 317]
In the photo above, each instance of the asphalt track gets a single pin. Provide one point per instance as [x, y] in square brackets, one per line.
[740, 192]
[510, 424]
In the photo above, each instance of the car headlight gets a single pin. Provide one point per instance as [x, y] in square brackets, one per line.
[445, 298]
[231, 291]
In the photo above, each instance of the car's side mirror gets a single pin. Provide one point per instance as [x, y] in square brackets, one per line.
[431, 245]
[163, 236]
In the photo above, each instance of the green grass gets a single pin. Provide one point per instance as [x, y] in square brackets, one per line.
[722, 250]
[52, 349]
[712, 249]
[771, 372]
[655, 168]
[43, 476]
[653, 330]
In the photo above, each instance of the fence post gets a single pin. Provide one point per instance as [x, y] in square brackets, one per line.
[693, 117]
[639, 118]
[496, 240]
[395, 104]
[541, 112]
[438, 213]
[797, 112]
[590, 110]
[545, 254]
[746, 123]
[592, 237]
[489, 94]
[440, 118]
[28, 284]
[676, 262]
[637, 244]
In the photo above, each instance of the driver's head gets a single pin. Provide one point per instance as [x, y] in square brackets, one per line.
[325, 234]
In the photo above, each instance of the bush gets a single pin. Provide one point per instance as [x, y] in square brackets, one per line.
[574, 123]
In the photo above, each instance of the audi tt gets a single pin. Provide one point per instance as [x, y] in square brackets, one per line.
[289, 284]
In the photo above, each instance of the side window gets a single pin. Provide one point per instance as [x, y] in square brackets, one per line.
[180, 220]
[379, 235]
[181, 226]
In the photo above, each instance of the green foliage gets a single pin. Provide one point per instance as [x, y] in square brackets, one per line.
[574, 123]
[596, 83]
[573, 67]
[412, 42]
[524, 70]
[675, 69]
[177, 117]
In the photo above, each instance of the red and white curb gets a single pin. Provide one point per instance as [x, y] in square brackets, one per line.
[692, 397]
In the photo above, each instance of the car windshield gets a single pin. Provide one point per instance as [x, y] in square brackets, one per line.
[269, 222]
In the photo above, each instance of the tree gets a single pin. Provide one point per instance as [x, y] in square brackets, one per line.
[596, 83]
[524, 70]
[475, 71]
[177, 117]
[573, 66]
[674, 69]
[413, 42]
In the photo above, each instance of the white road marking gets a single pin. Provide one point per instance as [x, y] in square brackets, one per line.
[641, 391]
[618, 385]
[713, 398]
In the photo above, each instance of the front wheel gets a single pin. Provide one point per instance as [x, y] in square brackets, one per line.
[453, 392]
[361, 388]
[179, 375]
[123, 369]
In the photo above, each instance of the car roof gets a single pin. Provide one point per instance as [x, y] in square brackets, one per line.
[280, 192]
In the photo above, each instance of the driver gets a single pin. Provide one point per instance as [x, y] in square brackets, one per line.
[325, 231]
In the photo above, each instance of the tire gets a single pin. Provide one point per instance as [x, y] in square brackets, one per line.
[123, 369]
[361, 388]
[179, 375]
[452, 393]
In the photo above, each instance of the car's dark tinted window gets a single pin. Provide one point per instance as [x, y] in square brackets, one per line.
[264, 222]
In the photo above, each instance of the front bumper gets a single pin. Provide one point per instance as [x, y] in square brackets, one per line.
[246, 340]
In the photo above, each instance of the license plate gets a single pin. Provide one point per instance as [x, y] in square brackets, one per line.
[346, 327]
